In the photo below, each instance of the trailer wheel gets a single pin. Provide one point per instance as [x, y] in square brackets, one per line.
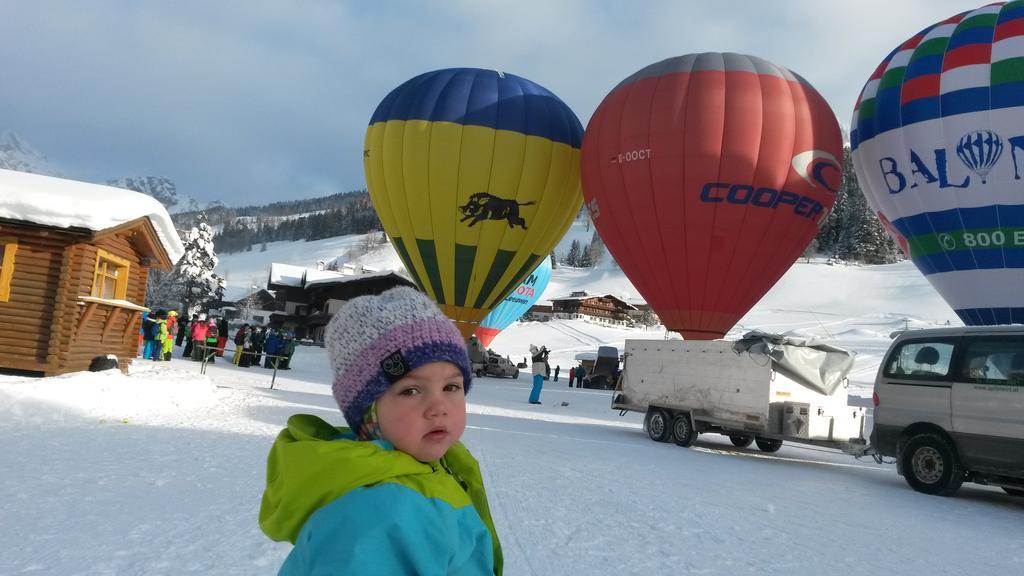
[682, 430]
[768, 444]
[741, 441]
[657, 425]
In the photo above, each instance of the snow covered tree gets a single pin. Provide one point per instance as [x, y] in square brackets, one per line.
[852, 230]
[199, 285]
[572, 259]
[586, 259]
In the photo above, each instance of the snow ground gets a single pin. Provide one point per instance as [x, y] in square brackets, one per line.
[161, 471]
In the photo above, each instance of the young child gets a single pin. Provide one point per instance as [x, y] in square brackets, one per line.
[395, 492]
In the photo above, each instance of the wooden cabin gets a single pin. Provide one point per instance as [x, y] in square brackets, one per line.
[74, 261]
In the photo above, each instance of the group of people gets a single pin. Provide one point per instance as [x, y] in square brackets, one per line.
[208, 337]
[157, 334]
[252, 342]
[577, 375]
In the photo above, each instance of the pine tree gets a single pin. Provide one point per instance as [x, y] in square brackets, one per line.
[586, 259]
[572, 259]
[199, 285]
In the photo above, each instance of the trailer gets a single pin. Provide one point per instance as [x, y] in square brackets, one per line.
[763, 389]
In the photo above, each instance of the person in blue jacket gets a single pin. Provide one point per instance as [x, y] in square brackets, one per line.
[395, 492]
[272, 345]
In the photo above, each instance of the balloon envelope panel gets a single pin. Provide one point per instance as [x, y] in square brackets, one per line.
[475, 177]
[938, 147]
[707, 175]
[515, 304]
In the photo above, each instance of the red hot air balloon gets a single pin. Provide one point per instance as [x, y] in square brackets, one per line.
[707, 175]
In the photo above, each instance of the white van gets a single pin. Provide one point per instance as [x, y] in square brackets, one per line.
[949, 405]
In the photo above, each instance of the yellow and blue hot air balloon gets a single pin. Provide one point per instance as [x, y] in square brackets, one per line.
[515, 304]
[475, 176]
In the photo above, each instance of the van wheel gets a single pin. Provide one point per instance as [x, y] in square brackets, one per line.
[682, 430]
[1013, 491]
[768, 444]
[740, 441]
[930, 465]
[657, 425]
[516, 375]
[479, 373]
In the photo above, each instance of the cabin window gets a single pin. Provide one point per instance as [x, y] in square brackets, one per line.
[8, 246]
[110, 280]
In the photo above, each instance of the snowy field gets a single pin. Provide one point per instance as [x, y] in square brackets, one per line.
[161, 471]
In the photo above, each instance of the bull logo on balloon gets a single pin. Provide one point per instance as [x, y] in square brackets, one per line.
[483, 206]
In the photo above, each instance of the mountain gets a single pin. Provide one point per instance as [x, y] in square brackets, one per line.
[164, 190]
[16, 154]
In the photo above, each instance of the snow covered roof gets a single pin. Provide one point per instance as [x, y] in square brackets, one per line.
[316, 278]
[286, 275]
[63, 203]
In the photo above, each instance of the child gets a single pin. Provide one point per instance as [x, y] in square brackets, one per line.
[396, 492]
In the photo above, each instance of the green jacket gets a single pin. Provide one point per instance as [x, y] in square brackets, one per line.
[356, 507]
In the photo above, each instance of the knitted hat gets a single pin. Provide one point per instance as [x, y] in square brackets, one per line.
[374, 341]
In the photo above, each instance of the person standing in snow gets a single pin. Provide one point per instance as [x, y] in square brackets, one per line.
[172, 332]
[239, 341]
[287, 349]
[272, 346]
[212, 337]
[540, 368]
[159, 336]
[557, 368]
[222, 335]
[395, 492]
[148, 320]
[199, 330]
[259, 334]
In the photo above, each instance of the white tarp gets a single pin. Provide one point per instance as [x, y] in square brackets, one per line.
[72, 204]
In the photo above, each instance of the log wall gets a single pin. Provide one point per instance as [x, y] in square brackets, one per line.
[41, 326]
[26, 319]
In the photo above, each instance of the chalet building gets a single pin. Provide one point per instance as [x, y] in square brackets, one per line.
[306, 299]
[607, 309]
[74, 261]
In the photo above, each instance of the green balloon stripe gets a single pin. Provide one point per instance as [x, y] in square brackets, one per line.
[974, 239]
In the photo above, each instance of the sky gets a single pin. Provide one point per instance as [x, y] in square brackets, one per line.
[252, 102]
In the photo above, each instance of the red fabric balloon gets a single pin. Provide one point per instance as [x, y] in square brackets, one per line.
[707, 175]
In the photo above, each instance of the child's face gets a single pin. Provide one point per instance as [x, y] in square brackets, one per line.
[424, 413]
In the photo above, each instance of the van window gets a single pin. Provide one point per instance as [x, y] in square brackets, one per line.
[920, 359]
[997, 361]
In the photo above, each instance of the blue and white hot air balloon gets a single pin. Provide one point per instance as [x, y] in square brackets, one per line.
[517, 303]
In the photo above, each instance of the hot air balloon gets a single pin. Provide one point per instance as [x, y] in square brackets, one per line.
[515, 304]
[707, 175]
[475, 177]
[938, 147]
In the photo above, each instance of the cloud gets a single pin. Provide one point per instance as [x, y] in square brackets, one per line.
[261, 101]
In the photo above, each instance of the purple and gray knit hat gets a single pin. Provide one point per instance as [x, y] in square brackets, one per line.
[374, 341]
